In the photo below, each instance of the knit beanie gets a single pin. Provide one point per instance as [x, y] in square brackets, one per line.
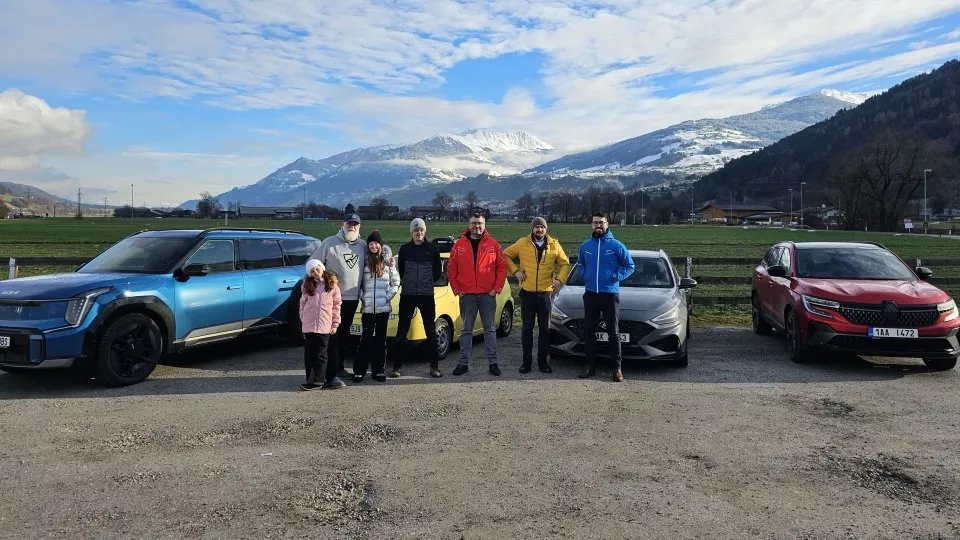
[418, 223]
[538, 221]
[375, 237]
[313, 263]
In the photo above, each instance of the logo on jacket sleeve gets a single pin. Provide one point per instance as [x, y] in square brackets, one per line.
[351, 259]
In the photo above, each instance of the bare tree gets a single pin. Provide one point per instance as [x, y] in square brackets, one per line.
[525, 206]
[442, 200]
[473, 201]
[208, 206]
[379, 205]
[563, 203]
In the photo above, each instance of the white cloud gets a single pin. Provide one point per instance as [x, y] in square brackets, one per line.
[30, 128]
[195, 158]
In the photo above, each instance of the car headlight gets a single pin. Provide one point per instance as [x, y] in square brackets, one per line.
[670, 316]
[78, 307]
[950, 308]
[558, 315]
[817, 305]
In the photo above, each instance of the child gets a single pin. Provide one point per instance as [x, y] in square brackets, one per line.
[319, 318]
[380, 284]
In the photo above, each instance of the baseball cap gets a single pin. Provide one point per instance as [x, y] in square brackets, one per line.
[351, 217]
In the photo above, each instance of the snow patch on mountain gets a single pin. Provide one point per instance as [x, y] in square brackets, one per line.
[856, 98]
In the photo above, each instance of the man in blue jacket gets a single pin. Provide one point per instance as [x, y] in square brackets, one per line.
[604, 262]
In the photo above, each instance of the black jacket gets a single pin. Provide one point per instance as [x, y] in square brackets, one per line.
[419, 268]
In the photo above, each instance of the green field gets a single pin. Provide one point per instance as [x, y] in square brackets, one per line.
[68, 237]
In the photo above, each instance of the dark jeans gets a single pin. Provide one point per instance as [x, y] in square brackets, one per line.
[315, 349]
[341, 340]
[373, 344]
[535, 306]
[428, 312]
[606, 305]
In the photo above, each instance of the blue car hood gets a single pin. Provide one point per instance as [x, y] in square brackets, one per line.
[67, 285]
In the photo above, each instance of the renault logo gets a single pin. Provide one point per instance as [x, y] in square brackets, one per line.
[891, 313]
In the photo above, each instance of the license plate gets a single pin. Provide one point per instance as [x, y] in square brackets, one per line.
[603, 336]
[893, 332]
[356, 329]
[4, 342]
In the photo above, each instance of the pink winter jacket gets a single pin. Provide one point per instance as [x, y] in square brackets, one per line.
[320, 313]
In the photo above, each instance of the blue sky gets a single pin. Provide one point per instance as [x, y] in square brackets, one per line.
[178, 99]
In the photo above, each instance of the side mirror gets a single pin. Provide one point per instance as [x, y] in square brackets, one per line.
[196, 270]
[777, 271]
[687, 283]
[924, 273]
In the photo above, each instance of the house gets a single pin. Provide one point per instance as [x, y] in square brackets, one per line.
[723, 212]
[427, 212]
[373, 212]
[270, 212]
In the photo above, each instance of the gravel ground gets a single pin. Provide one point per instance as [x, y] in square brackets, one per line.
[741, 444]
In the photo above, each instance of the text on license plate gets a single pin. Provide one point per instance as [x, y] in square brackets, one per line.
[356, 329]
[4, 342]
[892, 332]
[603, 336]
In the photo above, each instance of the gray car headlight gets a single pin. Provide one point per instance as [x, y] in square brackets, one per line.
[558, 315]
[670, 316]
[78, 307]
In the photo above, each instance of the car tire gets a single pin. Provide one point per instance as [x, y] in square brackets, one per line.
[796, 348]
[444, 338]
[293, 332]
[760, 326]
[940, 364]
[506, 321]
[128, 350]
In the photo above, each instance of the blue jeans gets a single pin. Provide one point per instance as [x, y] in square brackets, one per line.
[470, 305]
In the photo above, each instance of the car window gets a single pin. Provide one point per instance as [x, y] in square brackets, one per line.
[297, 251]
[218, 254]
[785, 259]
[258, 253]
[772, 256]
[833, 263]
[141, 254]
[648, 272]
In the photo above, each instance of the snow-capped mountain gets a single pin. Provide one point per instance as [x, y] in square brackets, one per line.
[365, 172]
[701, 146]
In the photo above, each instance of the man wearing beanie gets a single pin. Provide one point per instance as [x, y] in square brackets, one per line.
[345, 255]
[543, 269]
[419, 264]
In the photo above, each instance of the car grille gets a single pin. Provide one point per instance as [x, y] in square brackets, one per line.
[637, 330]
[867, 345]
[889, 314]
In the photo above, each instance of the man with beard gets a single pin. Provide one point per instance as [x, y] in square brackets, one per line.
[604, 262]
[345, 255]
[543, 269]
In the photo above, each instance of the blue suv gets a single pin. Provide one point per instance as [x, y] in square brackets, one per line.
[151, 294]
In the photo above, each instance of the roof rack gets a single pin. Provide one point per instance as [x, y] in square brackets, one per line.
[248, 229]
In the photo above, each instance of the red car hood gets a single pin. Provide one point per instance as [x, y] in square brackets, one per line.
[874, 292]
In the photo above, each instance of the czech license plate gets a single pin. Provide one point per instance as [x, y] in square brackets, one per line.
[603, 336]
[892, 332]
[4, 342]
[356, 329]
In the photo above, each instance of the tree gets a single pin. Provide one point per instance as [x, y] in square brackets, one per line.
[123, 211]
[525, 206]
[442, 200]
[563, 203]
[349, 209]
[4, 210]
[473, 201]
[208, 206]
[379, 205]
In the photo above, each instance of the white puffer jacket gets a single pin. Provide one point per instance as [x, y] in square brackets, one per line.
[379, 291]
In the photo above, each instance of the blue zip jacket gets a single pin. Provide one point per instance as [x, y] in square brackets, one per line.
[604, 263]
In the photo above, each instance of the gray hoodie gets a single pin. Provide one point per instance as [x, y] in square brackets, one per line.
[346, 260]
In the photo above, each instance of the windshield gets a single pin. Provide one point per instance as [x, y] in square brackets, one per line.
[851, 264]
[650, 272]
[141, 255]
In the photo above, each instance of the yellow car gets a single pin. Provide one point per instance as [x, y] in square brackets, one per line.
[448, 323]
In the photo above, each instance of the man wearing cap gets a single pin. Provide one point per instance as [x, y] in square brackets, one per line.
[345, 255]
[419, 264]
[543, 269]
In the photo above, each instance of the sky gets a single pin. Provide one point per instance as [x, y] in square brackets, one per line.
[168, 98]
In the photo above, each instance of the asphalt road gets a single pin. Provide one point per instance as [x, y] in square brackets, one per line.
[741, 444]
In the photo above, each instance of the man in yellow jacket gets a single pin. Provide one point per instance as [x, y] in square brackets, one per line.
[543, 269]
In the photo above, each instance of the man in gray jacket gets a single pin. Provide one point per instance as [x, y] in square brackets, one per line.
[345, 255]
[419, 264]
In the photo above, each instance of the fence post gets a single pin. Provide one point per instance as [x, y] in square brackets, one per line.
[13, 269]
[689, 266]
[918, 264]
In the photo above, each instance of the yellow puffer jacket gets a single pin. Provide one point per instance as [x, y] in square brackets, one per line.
[539, 274]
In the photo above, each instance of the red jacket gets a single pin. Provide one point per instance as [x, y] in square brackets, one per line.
[489, 272]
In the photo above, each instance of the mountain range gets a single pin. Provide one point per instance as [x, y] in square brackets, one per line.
[497, 164]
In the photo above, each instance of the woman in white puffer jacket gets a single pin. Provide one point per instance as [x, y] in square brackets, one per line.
[380, 284]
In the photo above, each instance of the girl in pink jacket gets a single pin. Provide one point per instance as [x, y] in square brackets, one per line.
[319, 318]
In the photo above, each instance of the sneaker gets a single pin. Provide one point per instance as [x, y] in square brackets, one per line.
[343, 374]
[380, 377]
[435, 372]
[335, 383]
[460, 370]
[545, 368]
[395, 374]
[358, 378]
[525, 368]
[618, 376]
[587, 372]
[495, 370]
[310, 386]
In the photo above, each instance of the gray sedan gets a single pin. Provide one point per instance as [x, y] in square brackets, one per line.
[654, 313]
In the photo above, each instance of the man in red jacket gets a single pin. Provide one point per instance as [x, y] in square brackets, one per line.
[477, 271]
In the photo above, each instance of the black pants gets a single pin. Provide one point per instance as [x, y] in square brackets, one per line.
[535, 306]
[373, 344]
[606, 305]
[341, 340]
[315, 349]
[428, 312]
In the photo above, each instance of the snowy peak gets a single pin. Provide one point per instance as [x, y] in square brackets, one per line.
[856, 98]
[482, 140]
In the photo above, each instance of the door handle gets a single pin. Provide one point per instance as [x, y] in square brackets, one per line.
[234, 287]
[290, 280]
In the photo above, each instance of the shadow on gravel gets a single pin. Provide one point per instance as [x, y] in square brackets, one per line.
[717, 356]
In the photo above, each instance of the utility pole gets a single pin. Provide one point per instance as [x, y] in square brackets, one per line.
[104, 207]
[79, 213]
[801, 203]
[926, 218]
[131, 201]
[791, 205]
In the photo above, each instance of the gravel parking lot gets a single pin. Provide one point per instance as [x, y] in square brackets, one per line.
[741, 444]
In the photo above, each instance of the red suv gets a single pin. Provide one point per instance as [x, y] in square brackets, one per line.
[853, 297]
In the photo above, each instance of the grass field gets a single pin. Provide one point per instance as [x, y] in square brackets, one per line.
[68, 237]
